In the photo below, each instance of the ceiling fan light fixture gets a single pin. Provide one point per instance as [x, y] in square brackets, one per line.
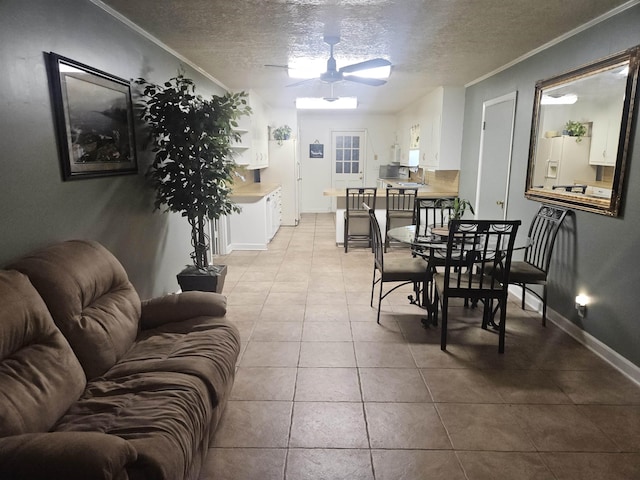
[568, 99]
[331, 103]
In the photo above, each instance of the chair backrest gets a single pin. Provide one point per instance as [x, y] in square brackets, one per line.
[376, 239]
[432, 212]
[401, 199]
[479, 247]
[542, 235]
[356, 197]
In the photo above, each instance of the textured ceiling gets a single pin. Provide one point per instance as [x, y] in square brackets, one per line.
[429, 42]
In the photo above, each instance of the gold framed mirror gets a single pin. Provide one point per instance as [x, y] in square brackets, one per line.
[580, 134]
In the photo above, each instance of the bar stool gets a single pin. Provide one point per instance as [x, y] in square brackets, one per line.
[400, 208]
[355, 211]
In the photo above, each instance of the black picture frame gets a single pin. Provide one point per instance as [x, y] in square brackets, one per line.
[316, 150]
[94, 120]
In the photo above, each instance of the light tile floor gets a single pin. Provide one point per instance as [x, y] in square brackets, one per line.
[323, 392]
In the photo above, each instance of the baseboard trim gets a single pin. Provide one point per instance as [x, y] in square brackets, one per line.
[605, 352]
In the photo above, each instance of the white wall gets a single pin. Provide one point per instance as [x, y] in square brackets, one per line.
[277, 117]
[316, 172]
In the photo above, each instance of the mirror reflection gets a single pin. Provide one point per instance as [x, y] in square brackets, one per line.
[580, 135]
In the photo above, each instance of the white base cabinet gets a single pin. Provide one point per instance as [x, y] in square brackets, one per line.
[274, 213]
[256, 225]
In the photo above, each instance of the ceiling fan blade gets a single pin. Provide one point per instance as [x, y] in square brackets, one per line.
[374, 82]
[366, 65]
[277, 66]
[302, 82]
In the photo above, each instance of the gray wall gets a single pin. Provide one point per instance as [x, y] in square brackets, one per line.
[595, 254]
[36, 207]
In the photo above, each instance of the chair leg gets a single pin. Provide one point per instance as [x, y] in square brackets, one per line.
[486, 312]
[443, 334]
[380, 300]
[524, 292]
[373, 285]
[346, 234]
[386, 236]
[503, 321]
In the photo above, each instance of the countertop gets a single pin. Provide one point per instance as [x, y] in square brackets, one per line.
[253, 191]
[425, 191]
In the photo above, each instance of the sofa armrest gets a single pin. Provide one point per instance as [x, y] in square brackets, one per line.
[180, 307]
[65, 455]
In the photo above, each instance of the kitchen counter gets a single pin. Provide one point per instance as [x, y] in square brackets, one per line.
[253, 191]
[424, 191]
[597, 201]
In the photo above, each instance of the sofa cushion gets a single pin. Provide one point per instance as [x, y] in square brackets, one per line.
[90, 298]
[165, 416]
[40, 377]
[65, 456]
[177, 307]
[202, 346]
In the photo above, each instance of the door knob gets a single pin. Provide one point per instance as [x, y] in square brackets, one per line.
[500, 203]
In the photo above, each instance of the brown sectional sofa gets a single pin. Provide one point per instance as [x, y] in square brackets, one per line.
[94, 383]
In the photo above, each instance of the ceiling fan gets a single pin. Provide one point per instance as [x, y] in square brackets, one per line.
[348, 72]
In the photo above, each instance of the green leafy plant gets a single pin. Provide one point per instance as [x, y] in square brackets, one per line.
[282, 133]
[575, 129]
[457, 205]
[193, 167]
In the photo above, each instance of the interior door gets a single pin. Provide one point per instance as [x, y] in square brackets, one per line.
[348, 158]
[494, 166]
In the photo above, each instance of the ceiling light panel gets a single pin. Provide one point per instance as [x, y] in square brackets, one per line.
[319, 103]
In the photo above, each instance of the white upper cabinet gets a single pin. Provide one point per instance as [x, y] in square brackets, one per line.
[604, 142]
[439, 119]
[240, 147]
[253, 150]
[441, 141]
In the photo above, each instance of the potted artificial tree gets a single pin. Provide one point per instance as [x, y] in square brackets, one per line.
[193, 167]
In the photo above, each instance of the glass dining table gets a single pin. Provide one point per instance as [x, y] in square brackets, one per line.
[431, 244]
[425, 244]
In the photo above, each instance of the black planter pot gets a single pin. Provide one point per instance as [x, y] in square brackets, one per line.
[209, 280]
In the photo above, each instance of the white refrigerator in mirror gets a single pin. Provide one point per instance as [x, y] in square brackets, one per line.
[284, 169]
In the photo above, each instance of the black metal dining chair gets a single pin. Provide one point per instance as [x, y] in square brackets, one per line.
[401, 270]
[432, 212]
[534, 269]
[475, 247]
[355, 198]
[400, 209]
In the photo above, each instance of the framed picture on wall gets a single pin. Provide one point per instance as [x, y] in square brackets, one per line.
[316, 150]
[94, 120]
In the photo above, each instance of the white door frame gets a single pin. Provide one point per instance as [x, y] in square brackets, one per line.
[504, 98]
[362, 163]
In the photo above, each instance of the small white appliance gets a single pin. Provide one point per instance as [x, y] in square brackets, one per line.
[413, 160]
